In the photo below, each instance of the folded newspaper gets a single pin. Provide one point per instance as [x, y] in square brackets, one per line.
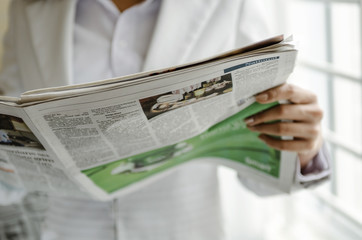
[106, 138]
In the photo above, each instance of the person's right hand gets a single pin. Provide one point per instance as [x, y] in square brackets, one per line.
[304, 117]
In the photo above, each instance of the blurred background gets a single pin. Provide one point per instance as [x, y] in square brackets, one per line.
[4, 4]
[329, 63]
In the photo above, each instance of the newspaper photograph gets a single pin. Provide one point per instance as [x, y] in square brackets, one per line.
[156, 105]
[14, 132]
[25, 164]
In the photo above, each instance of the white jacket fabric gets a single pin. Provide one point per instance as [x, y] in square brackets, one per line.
[185, 205]
[38, 46]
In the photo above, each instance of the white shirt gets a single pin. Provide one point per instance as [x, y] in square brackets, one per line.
[108, 43]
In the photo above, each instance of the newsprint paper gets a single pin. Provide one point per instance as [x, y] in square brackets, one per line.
[106, 138]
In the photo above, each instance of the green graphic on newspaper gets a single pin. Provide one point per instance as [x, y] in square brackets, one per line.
[229, 139]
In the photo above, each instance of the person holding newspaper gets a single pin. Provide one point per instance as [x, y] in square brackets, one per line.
[53, 43]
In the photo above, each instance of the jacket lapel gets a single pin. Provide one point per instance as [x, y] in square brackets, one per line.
[53, 50]
[179, 26]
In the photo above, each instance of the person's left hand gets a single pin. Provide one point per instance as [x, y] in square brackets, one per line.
[304, 117]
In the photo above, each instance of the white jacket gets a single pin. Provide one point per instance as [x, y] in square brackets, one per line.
[38, 47]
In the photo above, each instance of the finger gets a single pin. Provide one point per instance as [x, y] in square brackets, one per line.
[295, 145]
[286, 92]
[295, 112]
[299, 130]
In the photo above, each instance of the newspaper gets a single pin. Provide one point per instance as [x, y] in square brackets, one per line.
[107, 138]
[23, 220]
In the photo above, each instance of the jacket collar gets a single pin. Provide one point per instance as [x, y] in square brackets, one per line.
[179, 25]
[53, 50]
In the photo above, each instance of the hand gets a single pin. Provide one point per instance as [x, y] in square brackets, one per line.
[304, 114]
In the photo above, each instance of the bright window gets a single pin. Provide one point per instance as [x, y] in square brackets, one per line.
[329, 64]
[329, 32]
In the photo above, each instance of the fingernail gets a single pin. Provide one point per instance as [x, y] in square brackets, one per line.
[262, 97]
[249, 120]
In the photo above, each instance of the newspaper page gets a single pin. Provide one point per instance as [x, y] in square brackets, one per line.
[275, 43]
[24, 162]
[116, 141]
[23, 220]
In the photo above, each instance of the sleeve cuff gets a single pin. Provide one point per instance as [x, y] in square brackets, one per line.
[318, 170]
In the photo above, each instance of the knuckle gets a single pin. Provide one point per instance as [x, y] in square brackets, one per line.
[273, 93]
[283, 110]
[314, 131]
[313, 97]
[283, 145]
[317, 113]
[290, 89]
[283, 128]
[309, 145]
[320, 113]
[278, 129]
